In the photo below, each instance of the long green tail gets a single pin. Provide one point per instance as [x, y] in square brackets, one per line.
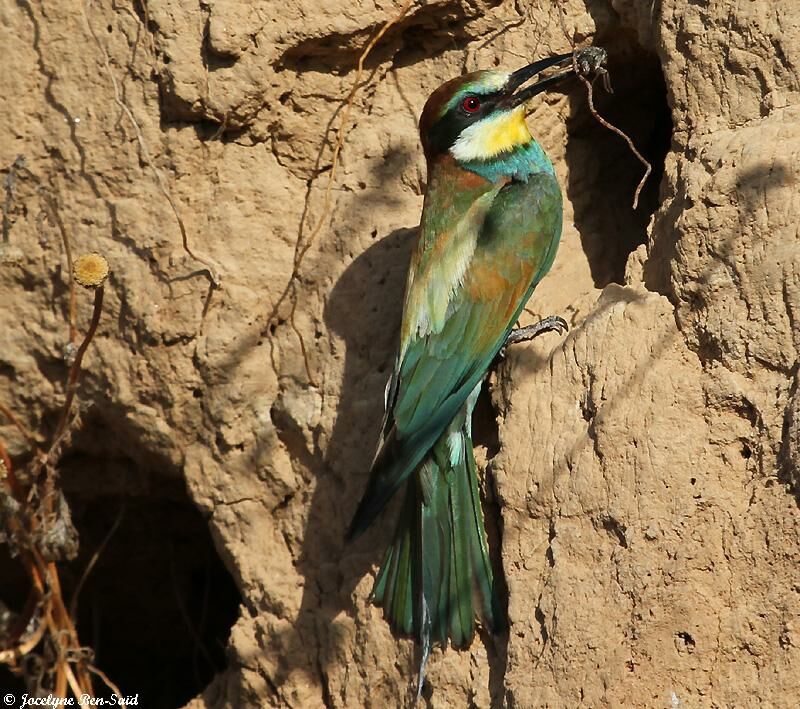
[436, 575]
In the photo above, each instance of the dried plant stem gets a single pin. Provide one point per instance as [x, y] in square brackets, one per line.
[602, 121]
[27, 523]
[32, 604]
[46, 596]
[187, 619]
[74, 373]
[300, 251]
[17, 423]
[31, 508]
[11, 655]
[72, 681]
[62, 628]
[302, 246]
[73, 604]
[113, 687]
[108, 683]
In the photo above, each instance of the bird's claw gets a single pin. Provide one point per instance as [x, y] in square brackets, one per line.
[552, 323]
[548, 324]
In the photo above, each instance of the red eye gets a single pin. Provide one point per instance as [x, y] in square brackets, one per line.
[471, 104]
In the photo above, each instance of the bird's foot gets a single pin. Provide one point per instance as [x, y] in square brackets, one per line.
[553, 323]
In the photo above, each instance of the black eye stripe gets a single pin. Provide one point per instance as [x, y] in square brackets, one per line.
[445, 131]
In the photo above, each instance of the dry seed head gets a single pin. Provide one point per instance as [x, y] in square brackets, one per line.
[90, 270]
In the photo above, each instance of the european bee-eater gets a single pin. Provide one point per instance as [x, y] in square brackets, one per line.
[490, 227]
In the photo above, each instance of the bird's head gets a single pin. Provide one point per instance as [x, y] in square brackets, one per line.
[480, 115]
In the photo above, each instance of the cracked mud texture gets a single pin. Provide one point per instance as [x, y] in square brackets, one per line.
[643, 475]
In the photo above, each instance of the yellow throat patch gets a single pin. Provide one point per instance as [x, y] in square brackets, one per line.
[495, 134]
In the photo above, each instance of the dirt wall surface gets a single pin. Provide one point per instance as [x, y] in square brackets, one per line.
[642, 477]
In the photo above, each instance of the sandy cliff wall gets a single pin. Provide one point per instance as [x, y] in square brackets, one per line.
[642, 472]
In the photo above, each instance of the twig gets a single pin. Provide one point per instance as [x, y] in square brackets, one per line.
[603, 122]
[17, 423]
[75, 370]
[16, 536]
[61, 624]
[302, 246]
[77, 690]
[27, 524]
[300, 252]
[73, 604]
[11, 655]
[194, 632]
[113, 687]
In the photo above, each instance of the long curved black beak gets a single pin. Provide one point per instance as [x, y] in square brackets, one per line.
[520, 76]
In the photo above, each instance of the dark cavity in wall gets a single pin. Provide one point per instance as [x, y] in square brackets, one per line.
[158, 606]
[603, 172]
